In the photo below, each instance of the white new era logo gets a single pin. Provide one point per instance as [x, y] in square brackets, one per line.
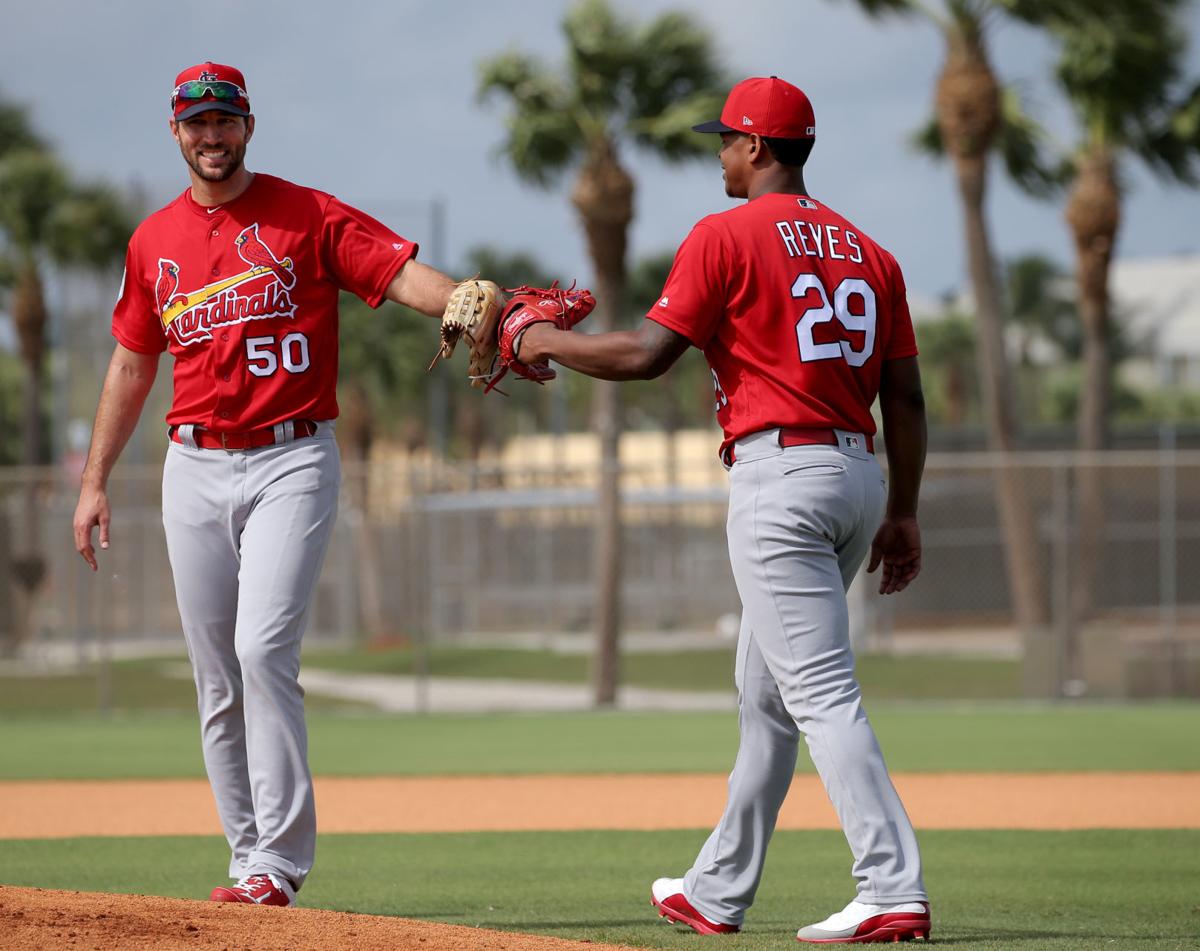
[397, 247]
[746, 120]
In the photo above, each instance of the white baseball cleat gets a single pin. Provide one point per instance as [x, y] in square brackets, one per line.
[859, 923]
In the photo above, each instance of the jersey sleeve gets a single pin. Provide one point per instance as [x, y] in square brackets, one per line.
[902, 342]
[136, 323]
[693, 299]
[362, 254]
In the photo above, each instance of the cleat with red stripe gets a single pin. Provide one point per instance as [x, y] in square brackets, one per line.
[860, 923]
[256, 890]
[666, 894]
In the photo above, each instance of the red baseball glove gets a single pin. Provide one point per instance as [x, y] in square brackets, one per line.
[563, 307]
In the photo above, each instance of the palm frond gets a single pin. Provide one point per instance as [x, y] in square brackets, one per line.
[1022, 146]
[927, 139]
[1122, 74]
[669, 133]
[16, 132]
[542, 145]
[91, 226]
[1170, 145]
[32, 183]
[881, 8]
[543, 127]
[523, 79]
[1119, 70]
[600, 46]
[672, 60]
[1070, 14]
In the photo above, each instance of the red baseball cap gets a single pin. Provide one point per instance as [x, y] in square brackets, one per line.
[768, 106]
[210, 86]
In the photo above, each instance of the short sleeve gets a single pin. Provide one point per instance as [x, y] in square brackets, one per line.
[362, 254]
[902, 342]
[136, 322]
[693, 299]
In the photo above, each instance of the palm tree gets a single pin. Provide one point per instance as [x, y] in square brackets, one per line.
[974, 118]
[46, 220]
[625, 85]
[1121, 74]
[948, 347]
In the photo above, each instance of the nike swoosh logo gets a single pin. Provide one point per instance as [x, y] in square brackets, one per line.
[211, 210]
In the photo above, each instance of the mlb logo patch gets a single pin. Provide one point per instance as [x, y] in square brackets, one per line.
[806, 203]
[852, 442]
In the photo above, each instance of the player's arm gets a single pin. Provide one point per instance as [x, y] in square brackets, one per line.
[641, 354]
[126, 386]
[897, 544]
[421, 287]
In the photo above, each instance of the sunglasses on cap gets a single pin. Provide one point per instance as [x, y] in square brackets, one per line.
[199, 88]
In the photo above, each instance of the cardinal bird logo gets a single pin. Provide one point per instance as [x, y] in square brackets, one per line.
[253, 251]
[167, 283]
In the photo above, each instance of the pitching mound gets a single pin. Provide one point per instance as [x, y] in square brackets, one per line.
[37, 918]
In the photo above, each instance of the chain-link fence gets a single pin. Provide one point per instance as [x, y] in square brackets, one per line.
[1100, 593]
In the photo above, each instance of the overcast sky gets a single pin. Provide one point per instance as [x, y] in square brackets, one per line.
[374, 101]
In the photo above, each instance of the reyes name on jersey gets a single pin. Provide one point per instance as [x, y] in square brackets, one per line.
[795, 309]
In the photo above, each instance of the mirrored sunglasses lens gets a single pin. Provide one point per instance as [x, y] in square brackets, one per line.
[225, 92]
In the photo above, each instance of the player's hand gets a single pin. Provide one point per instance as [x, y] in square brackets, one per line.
[897, 545]
[91, 511]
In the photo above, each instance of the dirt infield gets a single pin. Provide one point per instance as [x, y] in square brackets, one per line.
[690, 801]
[35, 918]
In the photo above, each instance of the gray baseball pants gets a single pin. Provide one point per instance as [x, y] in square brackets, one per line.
[246, 535]
[801, 520]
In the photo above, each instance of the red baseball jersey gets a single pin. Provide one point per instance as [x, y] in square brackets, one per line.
[795, 309]
[245, 297]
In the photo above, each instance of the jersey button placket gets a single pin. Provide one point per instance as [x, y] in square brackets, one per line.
[224, 355]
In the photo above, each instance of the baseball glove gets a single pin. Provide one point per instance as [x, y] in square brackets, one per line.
[472, 312]
[563, 307]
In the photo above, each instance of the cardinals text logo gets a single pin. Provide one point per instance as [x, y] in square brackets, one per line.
[258, 293]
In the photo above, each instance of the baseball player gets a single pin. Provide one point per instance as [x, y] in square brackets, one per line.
[803, 320]
[239, 278]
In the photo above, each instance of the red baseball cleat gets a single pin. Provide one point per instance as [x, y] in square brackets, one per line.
[256, 890]
[666, 894]
[859, 923]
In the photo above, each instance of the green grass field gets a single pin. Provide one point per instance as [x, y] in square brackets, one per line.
[882, 677]
[1022, 891]
[1018, 891]
[921, 737]
[153, 684]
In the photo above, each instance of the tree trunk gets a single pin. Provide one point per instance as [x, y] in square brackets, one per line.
[29, 315]
[1093, 213]
[968, 111]
[28, 566]
[603, 195]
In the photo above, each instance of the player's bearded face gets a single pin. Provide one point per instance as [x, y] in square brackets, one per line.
[214, 144]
